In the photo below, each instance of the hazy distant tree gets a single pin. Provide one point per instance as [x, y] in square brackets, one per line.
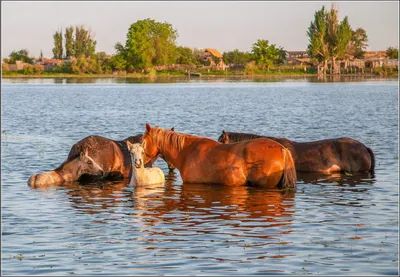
[21, 55]
[318, 45]
[358, 42]
[58, 46]
[338, 35]
[236, 57]
[84, 44]
[69, 42]
[392, 53]
[41, 54]
[184, 55]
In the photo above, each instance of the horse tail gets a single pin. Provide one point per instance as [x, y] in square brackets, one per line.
[289, 176]
[372, 169]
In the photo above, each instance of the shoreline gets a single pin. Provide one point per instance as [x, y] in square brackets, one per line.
[163, 76]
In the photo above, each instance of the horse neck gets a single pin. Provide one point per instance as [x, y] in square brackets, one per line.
[69, 170]
[173, 144]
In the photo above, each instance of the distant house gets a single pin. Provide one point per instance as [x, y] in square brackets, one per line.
[374, 54]
[19, 65]
[296, 55]
[297, 58]
[49, 64]
[300, 61]
[212, 55]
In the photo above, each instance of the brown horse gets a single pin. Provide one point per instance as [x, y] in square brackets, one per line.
[324, 156]
[93, 157]
[261, 162]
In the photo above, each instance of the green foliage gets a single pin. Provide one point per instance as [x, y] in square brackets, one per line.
[329, 38]
[28, 70]
[392, 53]
[21, 55]
[184, 55]
[267, 55]
[84, 44]
[69, 42]
[318, 45]
[198, 55]
[148, 43]
[358, 43]
[236, 57]
[58, 47]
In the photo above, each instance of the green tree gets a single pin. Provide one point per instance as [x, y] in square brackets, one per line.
[184, 55]
[236, 57]
[58, 46]
[69, 42]
[392, 53]
[328, 38]
[84, 43]
[358, 43]
[21, 55]
[338, 36]
[266, 55]
[148, 43]
[318, 45]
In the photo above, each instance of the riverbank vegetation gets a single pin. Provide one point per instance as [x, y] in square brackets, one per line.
[150, 49]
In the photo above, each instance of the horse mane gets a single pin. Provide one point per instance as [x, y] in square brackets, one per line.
[243, 136]
[163, 137]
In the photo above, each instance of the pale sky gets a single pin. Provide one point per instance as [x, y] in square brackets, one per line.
[222, 25]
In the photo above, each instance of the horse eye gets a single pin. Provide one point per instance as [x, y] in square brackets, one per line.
[89, 162]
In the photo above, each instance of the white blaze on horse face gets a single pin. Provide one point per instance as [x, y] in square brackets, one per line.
[89, 165]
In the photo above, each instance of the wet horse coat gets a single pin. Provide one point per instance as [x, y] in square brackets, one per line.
[261, 162]
[109, 159]
[323, 156]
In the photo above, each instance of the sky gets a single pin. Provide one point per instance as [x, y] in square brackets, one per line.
[222, 25]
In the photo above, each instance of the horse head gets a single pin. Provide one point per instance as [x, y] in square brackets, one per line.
[223, 138]
[137, 153]
[70, 170]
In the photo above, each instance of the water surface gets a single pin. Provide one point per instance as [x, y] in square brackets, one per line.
[331, 225]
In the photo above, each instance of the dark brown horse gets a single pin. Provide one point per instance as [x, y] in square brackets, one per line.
[324, 156]
[93, 157]
[202, 160]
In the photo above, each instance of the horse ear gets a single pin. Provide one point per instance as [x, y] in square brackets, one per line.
[144, 144]
[173, 129]
[148, 128]
[223, 132]
[84, 153]
[129, 145]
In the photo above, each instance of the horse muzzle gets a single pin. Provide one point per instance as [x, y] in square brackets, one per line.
[138, 163]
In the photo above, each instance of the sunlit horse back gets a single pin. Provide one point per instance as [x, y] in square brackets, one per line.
[323, 156]
[260, 162]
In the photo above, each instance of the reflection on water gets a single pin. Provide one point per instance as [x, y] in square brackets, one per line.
[203, 79]
[330, 225]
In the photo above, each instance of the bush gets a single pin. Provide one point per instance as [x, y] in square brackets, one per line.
[38, 68]
[251, 68]
[28, 70]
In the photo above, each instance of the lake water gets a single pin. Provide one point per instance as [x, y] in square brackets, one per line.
[331, 225]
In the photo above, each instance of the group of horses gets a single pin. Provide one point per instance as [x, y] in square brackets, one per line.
[235, 159]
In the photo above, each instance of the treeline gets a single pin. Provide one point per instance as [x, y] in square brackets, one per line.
[150, 44]
[331, 40]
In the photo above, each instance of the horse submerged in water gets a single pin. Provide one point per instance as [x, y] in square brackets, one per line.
[92, 158]
[323, 156]
[262, 162]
